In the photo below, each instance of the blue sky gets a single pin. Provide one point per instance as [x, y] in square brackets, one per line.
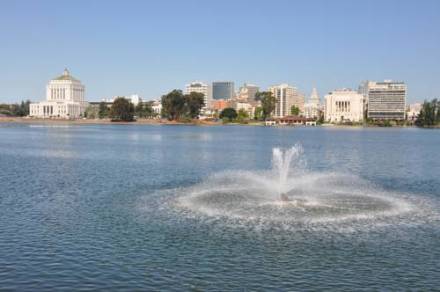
[150, 47]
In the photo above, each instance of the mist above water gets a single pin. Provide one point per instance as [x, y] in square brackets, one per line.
[292, 195]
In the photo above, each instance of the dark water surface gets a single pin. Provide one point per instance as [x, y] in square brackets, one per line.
[97, 207]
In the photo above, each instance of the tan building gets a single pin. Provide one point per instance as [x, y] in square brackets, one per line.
[247, 93]
[247, 107]
[286, 96]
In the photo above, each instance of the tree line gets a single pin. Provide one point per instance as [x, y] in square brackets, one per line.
[429, 115]
[15, 110]
[263, 112]
[176, 105]
[121, 109]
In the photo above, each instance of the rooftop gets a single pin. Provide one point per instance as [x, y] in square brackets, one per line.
[66, 76]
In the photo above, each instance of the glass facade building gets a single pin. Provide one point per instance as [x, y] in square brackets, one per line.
[223, 90]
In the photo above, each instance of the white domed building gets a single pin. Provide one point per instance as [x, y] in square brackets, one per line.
[65, 98]
[311, 109]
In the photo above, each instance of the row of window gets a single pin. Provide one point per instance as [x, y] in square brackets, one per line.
[60, 94]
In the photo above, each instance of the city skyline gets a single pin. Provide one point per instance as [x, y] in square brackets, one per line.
[151, 48]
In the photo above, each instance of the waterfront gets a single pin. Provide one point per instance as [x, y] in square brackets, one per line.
[94, 207]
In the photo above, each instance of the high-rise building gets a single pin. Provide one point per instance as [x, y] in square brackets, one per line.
[344, 105]
[248, 92]
[311, 108]
[223, 90]
[65, 98]
[286, 96]
[203, 88]
[384, 100]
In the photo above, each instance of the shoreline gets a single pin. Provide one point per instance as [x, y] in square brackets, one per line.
[20, 120]
[159, 122]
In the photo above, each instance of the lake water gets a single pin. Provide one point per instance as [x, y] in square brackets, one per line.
[190, 208]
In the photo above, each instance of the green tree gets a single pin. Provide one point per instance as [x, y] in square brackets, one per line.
[103, 110]
[268, 102]
[5, 109]
[437, 118]
[228, 114]
[14, 110]
[321, 118]
[122, 110]
[242, 115]
[194, 103]
[91, 112]
[173, 105]
[148, 110]
[140, 110]
[258, 113]
[20, 110]
[25, 108]
[294, 110]
[429, 114]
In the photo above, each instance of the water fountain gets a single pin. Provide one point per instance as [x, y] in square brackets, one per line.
[290, 194]
[281, 165]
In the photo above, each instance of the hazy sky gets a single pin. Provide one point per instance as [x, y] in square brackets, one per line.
[150, 47]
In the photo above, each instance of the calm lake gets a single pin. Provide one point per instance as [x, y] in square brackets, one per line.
[135, 207]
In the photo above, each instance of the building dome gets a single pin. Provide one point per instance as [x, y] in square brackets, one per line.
[66, 76]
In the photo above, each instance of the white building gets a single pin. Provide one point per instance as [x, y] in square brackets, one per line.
[311, 109]
[135, 99]
[286, 96]
[344, 105]
[65, 98]
[385, 100]
[203, 88]
[413, 111]
[157, 107]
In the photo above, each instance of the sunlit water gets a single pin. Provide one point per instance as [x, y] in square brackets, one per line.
[202, 208]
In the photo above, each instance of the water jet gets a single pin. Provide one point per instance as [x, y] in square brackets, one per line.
[290, 194]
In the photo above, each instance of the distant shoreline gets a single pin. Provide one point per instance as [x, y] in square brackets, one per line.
[29, 121]
[23, 120]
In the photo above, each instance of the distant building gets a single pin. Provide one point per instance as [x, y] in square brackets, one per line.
[220, 104]
[203, 88]
[384, 100]
[311, 108]
[135, 99]
[286, 96]
[247, 107]
[413, 111]
[65, 98]
[223, 90]
[157, 107]
[247, 92]
[344, 105]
